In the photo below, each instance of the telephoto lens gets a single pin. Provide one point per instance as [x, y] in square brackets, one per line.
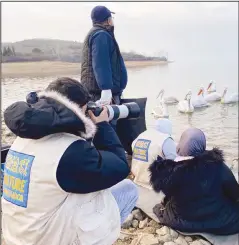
[128, 110]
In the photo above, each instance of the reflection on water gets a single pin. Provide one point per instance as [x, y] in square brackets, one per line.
[219, 122]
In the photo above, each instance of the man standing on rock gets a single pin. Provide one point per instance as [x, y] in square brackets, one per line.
[103, 71]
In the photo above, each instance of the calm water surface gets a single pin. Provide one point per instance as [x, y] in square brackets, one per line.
[219, 122]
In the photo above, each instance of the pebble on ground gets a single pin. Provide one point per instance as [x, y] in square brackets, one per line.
[139, 229]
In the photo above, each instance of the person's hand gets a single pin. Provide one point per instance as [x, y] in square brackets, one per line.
[103, 102]
[105, 98]
[103, 117]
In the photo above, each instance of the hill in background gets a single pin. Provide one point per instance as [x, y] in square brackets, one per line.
[55, 50]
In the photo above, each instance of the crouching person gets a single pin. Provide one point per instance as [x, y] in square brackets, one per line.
[202, 192]
[155, 141]
[59, 187]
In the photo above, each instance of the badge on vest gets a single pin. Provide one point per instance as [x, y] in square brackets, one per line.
[17, 178]
[141, 148]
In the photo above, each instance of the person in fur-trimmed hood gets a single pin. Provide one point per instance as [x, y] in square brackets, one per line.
[202, 192]
[59, 187]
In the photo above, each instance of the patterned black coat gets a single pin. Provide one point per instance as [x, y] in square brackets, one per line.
[202, 194]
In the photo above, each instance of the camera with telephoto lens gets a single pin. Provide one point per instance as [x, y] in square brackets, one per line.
[128, 110]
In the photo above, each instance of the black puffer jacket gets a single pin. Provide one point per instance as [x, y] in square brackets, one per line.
[202, 194]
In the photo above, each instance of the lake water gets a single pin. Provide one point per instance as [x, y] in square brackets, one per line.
[219, 122]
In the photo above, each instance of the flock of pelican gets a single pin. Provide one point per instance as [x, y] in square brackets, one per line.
[190, 103]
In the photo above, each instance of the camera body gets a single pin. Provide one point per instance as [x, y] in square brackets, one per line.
[129, 110]
[127, 129]
[92, 106]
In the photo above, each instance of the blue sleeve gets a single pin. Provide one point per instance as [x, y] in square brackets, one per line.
[106, 139]
[229, 183]
[83, 168]
[124, 77]
[169, 149]
[101, 60]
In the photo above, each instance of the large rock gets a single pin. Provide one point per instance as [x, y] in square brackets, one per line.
[170, 243]
[163, 231]
[173, 234]
[180, 241]
[165, 238]
[138, 215]
[135, 223]
[128, 222]
[188, 239]
[149, 240]
[143, 224]
[196, 243]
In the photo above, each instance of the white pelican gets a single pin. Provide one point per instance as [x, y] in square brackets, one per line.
[226, 99]
[212, 94]
[168, 100]
[160, 111]
[199, 101]
[186, 106]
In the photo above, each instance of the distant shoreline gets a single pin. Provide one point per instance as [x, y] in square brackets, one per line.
[57, 68]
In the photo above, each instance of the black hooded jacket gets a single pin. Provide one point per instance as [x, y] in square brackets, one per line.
[94, 166]
[202, 194]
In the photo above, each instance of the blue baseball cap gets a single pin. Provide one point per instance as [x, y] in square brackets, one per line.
[100, 14]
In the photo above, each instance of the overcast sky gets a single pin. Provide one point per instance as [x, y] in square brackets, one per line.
[143, 27]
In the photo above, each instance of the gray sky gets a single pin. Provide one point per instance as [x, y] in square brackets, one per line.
[143, 27]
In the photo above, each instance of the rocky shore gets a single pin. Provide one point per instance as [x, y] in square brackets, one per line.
[139, 229]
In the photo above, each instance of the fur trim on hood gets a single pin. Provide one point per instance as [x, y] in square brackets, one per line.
[164, 173]
[90, 128]
[51, 113]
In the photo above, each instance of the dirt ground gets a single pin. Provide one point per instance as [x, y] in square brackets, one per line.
[49, 68]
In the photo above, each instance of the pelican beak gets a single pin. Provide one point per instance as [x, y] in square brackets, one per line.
[160, 93]
[209, 86]
[200, 91]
